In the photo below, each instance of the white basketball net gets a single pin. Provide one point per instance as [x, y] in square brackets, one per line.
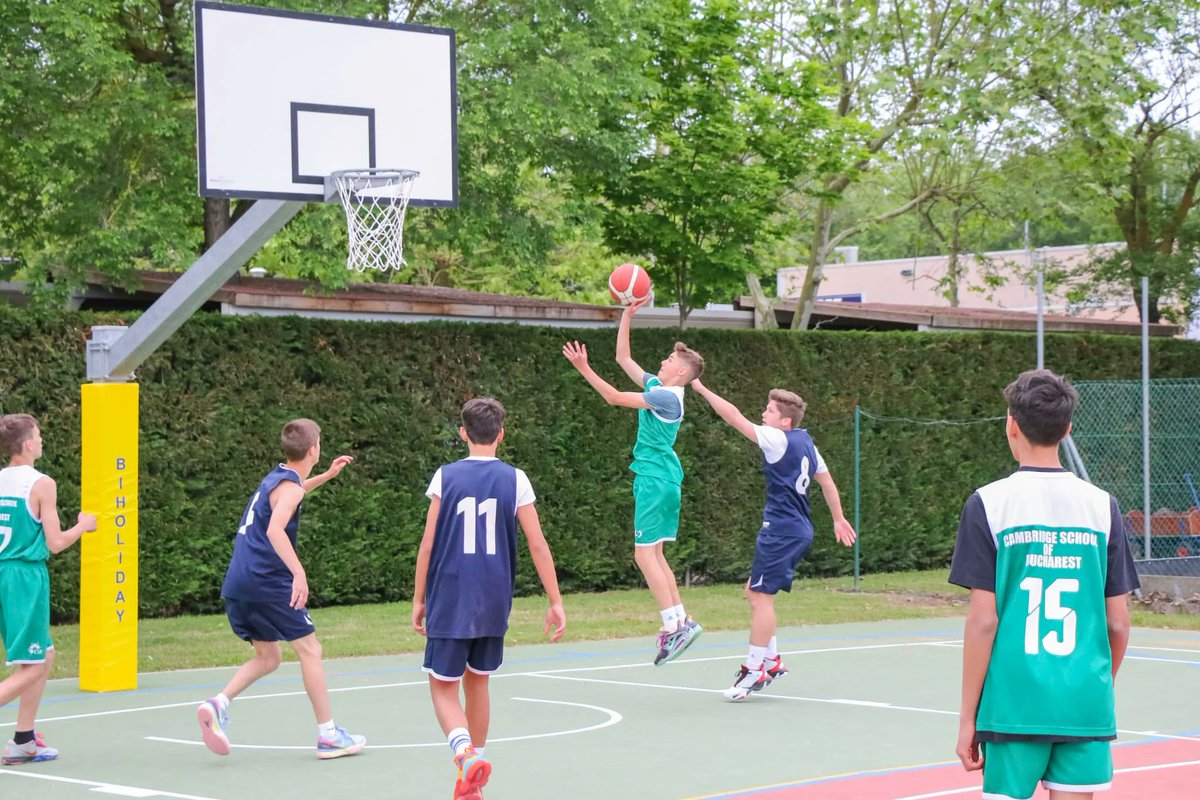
[375, 201]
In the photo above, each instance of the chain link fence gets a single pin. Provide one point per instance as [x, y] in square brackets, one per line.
[1108, 437]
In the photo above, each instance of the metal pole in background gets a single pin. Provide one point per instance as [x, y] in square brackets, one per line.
[857, 529]
[1041, 305]
[1146, 412]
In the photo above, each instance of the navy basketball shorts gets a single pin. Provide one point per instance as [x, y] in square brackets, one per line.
[268, 622]
[775, 560]
[449, 659]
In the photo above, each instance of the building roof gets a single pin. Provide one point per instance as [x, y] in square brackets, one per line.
[244, 295]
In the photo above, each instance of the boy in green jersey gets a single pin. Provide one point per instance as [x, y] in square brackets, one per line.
[1045, 557]
[29, 532]
[656, 468]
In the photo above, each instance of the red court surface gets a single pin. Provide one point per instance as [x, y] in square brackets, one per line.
[1153, 769]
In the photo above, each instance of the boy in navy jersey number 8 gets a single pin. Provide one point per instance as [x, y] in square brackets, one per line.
[466, 570]
[791, 463]
[1045, 557]
[266, 590]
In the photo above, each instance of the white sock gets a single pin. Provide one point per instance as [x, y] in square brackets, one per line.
[326, 729]
[669, 623]
[460, 740]
[222, 700]
[757, 654]
[680, 614]
[480, 750]
[773, 649]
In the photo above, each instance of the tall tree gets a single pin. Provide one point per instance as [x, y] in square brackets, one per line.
[1126, 104]
[896, 67]
[724, 138]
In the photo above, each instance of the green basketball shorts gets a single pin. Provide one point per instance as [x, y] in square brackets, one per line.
[25, 612]
[1011, 770]
[655, 511]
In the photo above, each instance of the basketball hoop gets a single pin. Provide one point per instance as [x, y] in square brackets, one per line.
[375, 201]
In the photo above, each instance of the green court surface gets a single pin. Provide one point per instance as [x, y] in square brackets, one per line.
[583, 720]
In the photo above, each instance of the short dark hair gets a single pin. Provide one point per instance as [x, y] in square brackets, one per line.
[298, 437]
[483, 417]
[15, 430]
[790, 405]
[1042, 404]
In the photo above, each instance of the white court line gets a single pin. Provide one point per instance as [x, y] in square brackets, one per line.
[1185, 662]
[633, 665]
[613, 718]
[966, 789]
[828, 700]
[103, 788]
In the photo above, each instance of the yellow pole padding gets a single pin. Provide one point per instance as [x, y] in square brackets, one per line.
[108, 592]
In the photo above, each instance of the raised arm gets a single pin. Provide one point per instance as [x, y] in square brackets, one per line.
[842, 528]
[543, 562]
[624, 357]
[335, 469]
[576, 353]
[726, 411]
[285, 499]
[423, 555]
[44, 504]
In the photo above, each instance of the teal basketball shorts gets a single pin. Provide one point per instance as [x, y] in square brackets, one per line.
[25, 612]
[655, 511]
[1011, 770]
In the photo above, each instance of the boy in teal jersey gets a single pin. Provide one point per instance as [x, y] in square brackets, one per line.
[1045, 557]
[656, 468]
[29, 532]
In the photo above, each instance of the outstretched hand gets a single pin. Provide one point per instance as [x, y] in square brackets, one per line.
[636, 305]
[339, 464]
[576, 353]
[844, 532]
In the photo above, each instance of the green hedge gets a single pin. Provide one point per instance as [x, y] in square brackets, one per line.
[215, 396]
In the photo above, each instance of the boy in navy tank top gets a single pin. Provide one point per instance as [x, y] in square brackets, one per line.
[266, 590]
[466, 571]
[791, 463]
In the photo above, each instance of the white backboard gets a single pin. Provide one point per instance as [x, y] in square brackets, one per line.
[283, 99]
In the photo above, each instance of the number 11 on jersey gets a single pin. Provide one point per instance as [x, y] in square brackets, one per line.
[470, 508]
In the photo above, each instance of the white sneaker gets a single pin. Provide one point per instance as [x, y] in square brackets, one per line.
[747, 681]
[213, 721]
[29, 753]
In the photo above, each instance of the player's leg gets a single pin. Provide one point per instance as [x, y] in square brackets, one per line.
[446, 663]
[649, 534]
[25, 628]
[483, 660]
[213, 713]
[1077, 769]
[333, 741]
[792, 553]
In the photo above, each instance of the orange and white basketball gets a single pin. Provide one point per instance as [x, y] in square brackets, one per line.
[628, 284]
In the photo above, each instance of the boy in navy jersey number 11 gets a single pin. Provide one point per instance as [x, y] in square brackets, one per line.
[466, 569]
[790, 462]
[266, 590]
[1044, 555]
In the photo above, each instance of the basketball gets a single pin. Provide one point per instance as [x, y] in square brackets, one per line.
[629, 283]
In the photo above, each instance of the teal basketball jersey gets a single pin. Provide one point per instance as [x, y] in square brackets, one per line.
[1054, 539]
[21, 536]
[654, 451]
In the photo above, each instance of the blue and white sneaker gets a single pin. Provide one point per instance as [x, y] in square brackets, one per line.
[213, 721]
[29, 753]
[340, 744]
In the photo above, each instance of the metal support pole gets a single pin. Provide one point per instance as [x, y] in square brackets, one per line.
[1041, 320]
[1146, 413]
[857, 475]
[114, 358]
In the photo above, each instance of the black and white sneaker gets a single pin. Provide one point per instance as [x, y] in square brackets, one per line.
[747, 681]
